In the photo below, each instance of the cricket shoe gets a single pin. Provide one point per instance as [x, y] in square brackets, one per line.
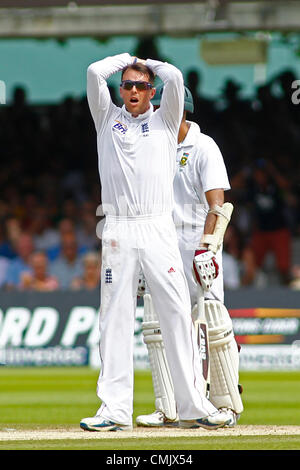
[234, 417]
[219, 419]
[156, 420]
[98, 423]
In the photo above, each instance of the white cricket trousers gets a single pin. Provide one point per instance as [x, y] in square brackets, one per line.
[150, 243]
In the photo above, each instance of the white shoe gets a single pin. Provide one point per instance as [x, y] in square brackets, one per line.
[219, 419]
[233, 417]
[156, 419]
[98, 423]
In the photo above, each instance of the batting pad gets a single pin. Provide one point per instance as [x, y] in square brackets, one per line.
[161, 376]
[224, 358]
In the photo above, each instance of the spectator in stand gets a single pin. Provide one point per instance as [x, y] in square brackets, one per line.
[92, 273]
[205, 113]
[271, 233]
[65, 227]
[38, 279]
[4, 263]
[45, 237]
[86, 232]
[21, 118]
[70, 210]
[238, 260]
[14, 230]
[74, 185]
[6, 246]
[235, 118]
[68, 265]
[295, 282]
[21, 263]
[28, 206]
[286, 81]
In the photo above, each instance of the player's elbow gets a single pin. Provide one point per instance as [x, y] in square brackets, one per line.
[172, 75]
[177, 75]
[91, 70]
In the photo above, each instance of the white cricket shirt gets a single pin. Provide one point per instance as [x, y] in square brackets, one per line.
[200, 168]
[137, 156]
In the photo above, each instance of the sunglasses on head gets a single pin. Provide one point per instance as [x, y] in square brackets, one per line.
[129, 84]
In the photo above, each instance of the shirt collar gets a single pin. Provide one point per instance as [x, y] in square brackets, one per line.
[190, 138]
[140, 117]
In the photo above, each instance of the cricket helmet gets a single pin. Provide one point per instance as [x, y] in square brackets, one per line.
[188, 98]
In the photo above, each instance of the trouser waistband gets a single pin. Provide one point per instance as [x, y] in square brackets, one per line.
[140, 218]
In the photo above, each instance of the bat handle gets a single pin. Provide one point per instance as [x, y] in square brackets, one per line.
[200, 301]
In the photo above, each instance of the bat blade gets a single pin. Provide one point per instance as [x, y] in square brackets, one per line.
[202, 338]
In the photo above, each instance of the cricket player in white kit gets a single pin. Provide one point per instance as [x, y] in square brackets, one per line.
[199, 185]
[137, 163]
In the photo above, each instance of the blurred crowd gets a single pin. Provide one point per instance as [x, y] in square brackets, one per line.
[49, 197]
[50, 188]
[260, 142]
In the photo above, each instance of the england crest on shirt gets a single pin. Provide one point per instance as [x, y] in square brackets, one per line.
[108, 276]
[145, 129]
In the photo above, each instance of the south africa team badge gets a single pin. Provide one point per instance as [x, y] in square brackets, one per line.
[183, 161]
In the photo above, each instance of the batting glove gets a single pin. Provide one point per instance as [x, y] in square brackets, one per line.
[205, 268]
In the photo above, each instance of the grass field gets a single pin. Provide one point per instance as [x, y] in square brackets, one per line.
[57, 398]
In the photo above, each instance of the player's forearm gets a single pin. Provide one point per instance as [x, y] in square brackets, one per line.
[166, 72]
[99, 72]
[97, 92]
[172, 101]
[213, 197]
[210, 223]
[103, 69]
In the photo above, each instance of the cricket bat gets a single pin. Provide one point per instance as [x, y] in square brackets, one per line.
[202, 339]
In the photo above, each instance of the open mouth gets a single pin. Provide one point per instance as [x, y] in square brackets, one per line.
[134, 100]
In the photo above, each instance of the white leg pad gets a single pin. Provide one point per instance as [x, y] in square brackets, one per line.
[161, 376]
[224, 358]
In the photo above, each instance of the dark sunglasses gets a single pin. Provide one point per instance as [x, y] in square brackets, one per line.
[129, 84]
